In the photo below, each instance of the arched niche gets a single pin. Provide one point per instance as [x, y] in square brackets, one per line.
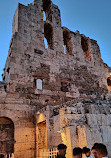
[41, 133]
[6, 135]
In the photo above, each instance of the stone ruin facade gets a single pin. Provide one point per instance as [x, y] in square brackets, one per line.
[59, 94]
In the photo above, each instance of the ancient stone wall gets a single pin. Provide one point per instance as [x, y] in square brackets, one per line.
[66, 73]
[80, 122]
[35, 77]
[20, 137]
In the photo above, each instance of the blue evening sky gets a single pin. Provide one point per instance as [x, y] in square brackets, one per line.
[90, 17]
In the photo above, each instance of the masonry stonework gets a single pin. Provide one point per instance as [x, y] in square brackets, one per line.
[73, 105]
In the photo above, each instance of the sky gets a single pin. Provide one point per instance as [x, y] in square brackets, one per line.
[90, 17]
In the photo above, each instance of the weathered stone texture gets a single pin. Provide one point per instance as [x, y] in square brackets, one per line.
[76, 83]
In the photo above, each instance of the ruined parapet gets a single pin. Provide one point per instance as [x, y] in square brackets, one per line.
[28, 21]
[52, 11]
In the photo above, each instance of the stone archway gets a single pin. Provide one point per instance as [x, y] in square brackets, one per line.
[6, 135]
[41, 133]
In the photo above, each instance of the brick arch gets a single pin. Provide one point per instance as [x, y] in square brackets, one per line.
[67, 41]
[48, 34]
[47, 9]
[11, 115]
[85, 48]
[6, 135]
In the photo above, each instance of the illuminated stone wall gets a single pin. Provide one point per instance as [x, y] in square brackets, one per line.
[70, 68]
[80, 122]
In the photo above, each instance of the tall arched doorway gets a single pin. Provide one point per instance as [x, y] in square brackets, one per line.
[41, 133]
[6, 136]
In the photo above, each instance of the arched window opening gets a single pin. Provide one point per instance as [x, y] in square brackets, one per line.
[6, 136]
[109, 83]
[46, 43]
[67, 42]
[44, 16]
[85, 47]
[48, 34]
[47, 9]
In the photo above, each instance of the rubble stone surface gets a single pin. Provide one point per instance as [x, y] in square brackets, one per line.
[73, 105]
